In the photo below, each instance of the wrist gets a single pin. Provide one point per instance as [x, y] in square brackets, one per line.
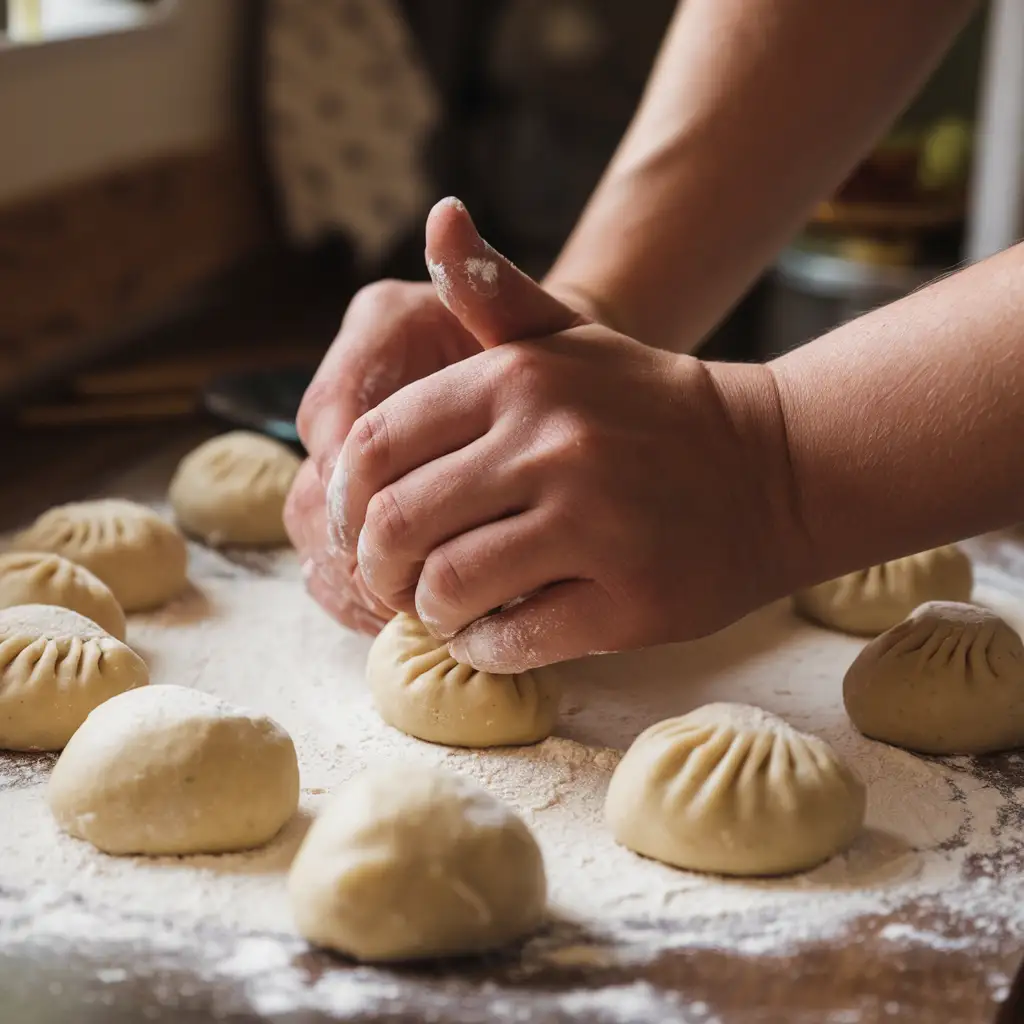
[755, 416]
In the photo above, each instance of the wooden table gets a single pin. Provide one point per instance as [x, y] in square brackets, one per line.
[860, 978]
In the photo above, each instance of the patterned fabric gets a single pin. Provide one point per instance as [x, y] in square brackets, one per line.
[349, 110]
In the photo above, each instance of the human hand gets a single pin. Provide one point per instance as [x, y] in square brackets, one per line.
[393, 333]
[600, 494]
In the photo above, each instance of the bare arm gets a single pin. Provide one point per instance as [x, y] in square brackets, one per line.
[905, 428]
[756, 109]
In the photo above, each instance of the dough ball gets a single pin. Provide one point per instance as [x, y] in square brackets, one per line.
[947, 680]
[733, 790]
[32, 577]
[420, 688]
[232, 489]
[169, 770]
[55, 667]
[141, 558]
[868, 602]
[409, 862]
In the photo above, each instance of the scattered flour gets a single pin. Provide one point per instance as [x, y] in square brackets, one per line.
[938, 835]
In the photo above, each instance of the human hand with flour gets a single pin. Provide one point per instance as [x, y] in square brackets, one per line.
[592, 488]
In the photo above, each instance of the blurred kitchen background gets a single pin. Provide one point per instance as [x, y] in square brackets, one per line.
[191, 190]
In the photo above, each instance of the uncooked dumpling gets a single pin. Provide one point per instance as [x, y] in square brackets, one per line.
[420, 688]
[55, 667]
[232, 490]
[948, 680]
[733, 790]
[33, 577]
[413, 862]
[142, 558]
[872, 600]
[169, 770]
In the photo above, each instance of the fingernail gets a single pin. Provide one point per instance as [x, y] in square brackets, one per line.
[365, 557]
[460, 650]
[425, 599]
[337, 533]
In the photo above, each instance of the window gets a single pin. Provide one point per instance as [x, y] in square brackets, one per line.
[35, 21]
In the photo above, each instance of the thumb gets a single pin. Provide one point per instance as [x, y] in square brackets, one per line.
[494, 300]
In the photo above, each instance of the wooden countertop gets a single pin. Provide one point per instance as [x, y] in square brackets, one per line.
[865, 976]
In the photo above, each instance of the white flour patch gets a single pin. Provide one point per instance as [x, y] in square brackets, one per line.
[442, 283]
[482, 275]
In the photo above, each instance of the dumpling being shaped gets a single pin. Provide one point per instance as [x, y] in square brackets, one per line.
[141, 557]
[231, 490]
[419, 688]
[870, 601]
[410, 861]
[35, 577]
[730, 789]
[947, 680]
[56, 666]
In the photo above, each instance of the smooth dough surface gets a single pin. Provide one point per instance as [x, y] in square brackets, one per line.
[409, 862]
[420, 688]
[56, 666]
[733, 790]
[142, 558]
[947, 680]
[169, 770]
[232, 490]
[871, 601]
[34, 577]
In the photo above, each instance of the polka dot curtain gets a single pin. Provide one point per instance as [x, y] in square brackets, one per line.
[349, 109]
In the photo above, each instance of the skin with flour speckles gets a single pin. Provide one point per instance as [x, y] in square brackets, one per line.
[336, 541]
[482, 275]
[442, 283]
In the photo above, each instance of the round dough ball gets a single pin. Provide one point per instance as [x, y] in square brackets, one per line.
[55, 667]
[947, 680]
[733, 790]
[34, 577]
[409, 862]
[142, 559]
[231, 490]
[420, 688]
[169, 770]
[870, 601]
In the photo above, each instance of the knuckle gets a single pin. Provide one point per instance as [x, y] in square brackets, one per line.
[522, 367]
[443, 578]
[372, 297]
[386, 521]
[370, 441]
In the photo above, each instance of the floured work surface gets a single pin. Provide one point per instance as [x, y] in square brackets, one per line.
[922, 920]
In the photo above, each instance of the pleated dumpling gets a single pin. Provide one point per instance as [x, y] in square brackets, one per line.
[733, 790]
[231, 490]
[35, 577]
[871, 601]
[142, 558]
[55, 667]
[947, 680]
[419, 688]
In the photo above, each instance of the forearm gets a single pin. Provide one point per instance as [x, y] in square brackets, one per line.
[755, 110]
[906, 427]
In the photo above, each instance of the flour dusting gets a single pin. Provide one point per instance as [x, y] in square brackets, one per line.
[942, 841]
